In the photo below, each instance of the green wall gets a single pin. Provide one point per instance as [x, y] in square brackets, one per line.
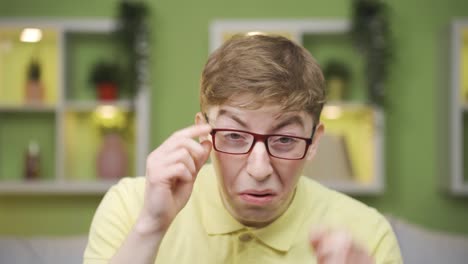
[416, 128]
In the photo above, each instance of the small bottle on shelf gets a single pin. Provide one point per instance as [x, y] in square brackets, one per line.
[32, 161]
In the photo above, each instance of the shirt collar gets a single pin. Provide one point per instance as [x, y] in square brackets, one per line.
[278, 235]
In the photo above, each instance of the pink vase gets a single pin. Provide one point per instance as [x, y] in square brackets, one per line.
[34, 92]
[112, 158]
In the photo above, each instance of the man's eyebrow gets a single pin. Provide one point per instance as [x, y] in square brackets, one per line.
[224, 112]
[295, 119]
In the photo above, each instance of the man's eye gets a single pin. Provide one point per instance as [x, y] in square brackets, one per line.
[233, 136]
[286, 140]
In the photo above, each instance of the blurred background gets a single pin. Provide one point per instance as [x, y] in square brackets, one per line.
[81, 96]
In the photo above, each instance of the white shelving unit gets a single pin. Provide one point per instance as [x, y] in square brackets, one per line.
[297, 30]
[458, 183]
[139, 107]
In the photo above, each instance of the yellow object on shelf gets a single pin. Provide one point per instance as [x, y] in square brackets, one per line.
[464, 67]
[348, 149]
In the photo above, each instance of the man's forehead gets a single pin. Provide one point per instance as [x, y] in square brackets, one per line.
[273, 112]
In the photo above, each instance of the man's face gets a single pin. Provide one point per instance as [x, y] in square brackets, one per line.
[255, 187]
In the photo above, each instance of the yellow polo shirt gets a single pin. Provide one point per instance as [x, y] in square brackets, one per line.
[204, 232]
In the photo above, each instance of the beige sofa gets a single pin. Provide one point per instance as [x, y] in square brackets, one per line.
[418, 245]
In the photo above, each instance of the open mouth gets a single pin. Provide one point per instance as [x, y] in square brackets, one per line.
[259, 195]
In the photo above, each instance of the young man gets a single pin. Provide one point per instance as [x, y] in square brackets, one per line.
[261, 98]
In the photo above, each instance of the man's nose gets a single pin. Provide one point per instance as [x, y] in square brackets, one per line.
[259, 162]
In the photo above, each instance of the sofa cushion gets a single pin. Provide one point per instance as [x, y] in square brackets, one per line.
[420, 245]
[42, 249]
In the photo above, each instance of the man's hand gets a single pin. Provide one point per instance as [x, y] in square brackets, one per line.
[170, 173]
[337, 247]
[171, 170]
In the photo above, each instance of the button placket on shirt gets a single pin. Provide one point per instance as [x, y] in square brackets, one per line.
[246, 248]
[245, 237]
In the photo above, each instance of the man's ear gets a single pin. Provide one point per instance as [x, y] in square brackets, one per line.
[319, 130]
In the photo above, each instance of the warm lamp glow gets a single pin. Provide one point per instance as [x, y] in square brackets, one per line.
[332, 112]
[253, 33]
[31, 35]
[107, 111]
[110, 117]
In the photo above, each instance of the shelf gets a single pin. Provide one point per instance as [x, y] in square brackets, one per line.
[83, 139]
[62, 187]
[353, 188]
[84, 51]
[69, 124]
[27, 108]
[350, 156]
[17, 130]
[460, 188]
[16, 57]
[458, 116]
[74, 25]
[87, 106]
[338, 48]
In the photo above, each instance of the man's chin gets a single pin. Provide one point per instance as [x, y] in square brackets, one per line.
[252, 214]
[256, 216]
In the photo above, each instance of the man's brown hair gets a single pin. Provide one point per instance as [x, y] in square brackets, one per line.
[270, 69]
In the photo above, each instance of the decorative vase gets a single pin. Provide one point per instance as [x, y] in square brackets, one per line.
[34, 90]
[32, 161]
[337, 76]
[336, 89]
[107, 91]
[112, 158]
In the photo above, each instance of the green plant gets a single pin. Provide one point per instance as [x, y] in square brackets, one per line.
[370, 31]
[336, 69]
[34, 70]
[105, 72]
[133, 37]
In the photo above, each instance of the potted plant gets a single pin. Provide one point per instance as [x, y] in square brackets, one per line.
[105, 77]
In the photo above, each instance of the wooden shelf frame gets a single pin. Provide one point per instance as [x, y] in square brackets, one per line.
[139, 105]
[457, 183]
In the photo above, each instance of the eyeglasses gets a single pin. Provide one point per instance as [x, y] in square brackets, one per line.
[237, 142]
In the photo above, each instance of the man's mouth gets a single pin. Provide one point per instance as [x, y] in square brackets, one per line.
[257, 197]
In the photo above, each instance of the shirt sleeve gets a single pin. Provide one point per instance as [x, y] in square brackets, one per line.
[386, 250]
[111, 224]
